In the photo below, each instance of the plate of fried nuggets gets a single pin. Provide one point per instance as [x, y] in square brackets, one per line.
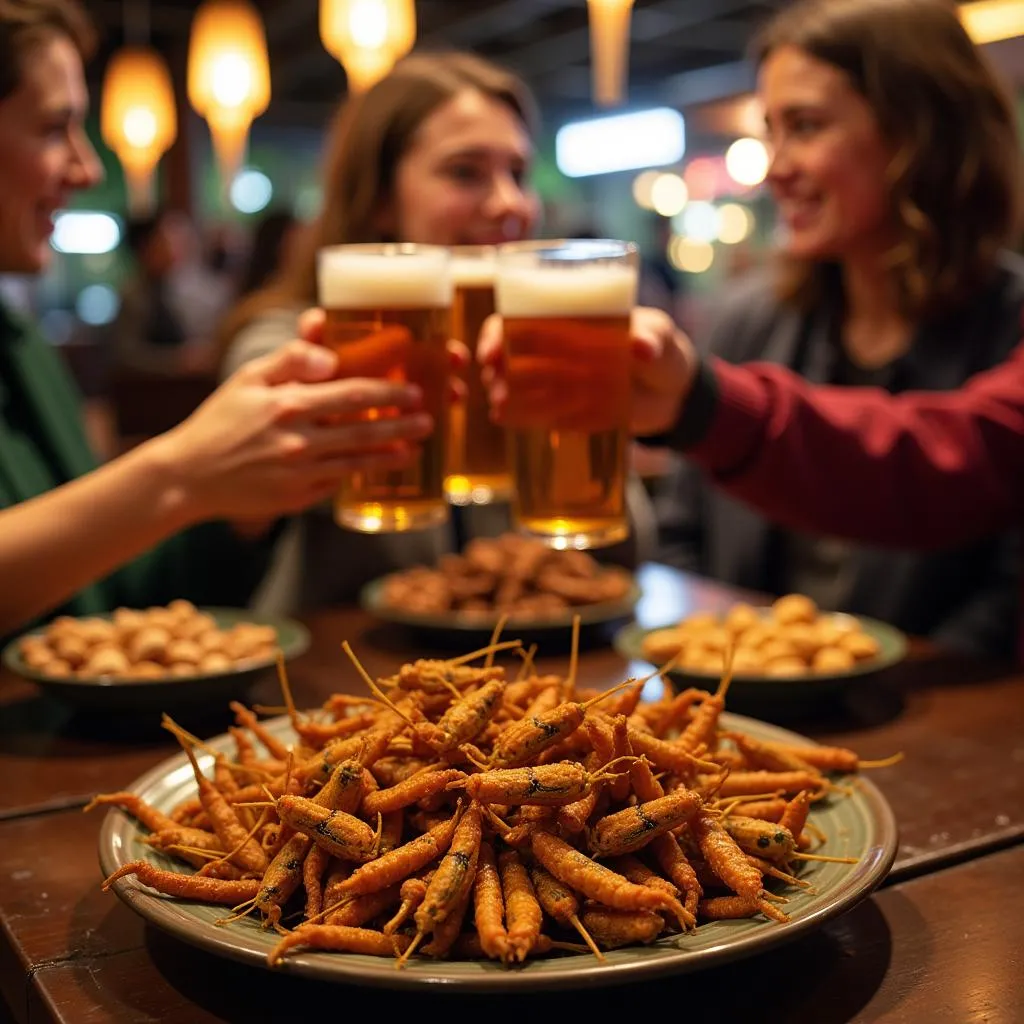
[455, 871]
[519, 578]
[791, 643]
[151, 658]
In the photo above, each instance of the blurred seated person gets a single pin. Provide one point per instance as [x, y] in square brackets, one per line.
[438, 152]
[203, 284]
[273, 247]
[149, 333]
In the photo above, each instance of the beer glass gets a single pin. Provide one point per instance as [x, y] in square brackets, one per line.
[478, 469]
[566, 307]
[388, 314]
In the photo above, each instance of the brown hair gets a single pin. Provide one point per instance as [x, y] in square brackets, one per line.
[26, 23]
[367, 139]
[954, 179]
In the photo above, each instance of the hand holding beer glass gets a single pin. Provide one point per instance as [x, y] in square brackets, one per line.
[478, 469]
[565, 309]
[387, 310]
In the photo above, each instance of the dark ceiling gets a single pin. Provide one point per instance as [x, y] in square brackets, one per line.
[683, 51]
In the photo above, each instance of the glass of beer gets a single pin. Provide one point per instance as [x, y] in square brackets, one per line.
[388, 315]
[566, 307]
[478, 468]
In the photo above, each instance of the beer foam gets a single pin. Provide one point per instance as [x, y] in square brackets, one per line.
[591, 290]
[469, 272]
[359, 280]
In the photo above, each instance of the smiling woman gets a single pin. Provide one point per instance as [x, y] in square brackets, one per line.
[173, 517]
[44, 152]
[894, 166]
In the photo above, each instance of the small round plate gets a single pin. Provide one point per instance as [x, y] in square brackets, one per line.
[461, 627]
[762, 691]
[156, 695]
[860, 825]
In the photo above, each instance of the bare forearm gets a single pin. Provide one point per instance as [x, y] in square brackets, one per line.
[56, 544]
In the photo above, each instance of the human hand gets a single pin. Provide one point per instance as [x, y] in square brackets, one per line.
[281, 434]
[388, 348]
[561, 393]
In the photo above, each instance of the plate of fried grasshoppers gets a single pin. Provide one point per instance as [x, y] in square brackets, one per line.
[483, 833]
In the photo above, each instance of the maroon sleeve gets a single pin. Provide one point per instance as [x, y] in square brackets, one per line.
[920, 469]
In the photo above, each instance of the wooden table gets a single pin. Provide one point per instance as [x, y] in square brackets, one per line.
[70, 953]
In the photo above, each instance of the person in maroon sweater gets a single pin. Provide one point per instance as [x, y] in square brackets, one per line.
[917, 470]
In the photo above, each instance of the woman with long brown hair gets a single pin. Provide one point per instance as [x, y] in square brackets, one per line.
[895, 173]
[895, 169]
[439, 153]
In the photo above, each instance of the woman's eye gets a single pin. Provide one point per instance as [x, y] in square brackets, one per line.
[464, 173]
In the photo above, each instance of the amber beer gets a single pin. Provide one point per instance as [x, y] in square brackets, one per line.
[566, 318]
[388, 315]
[478, 469]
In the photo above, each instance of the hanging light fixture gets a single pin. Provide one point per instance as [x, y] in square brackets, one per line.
[228, 76]
[138, 117]
[367, 36]
[609, 49]
[138, 120]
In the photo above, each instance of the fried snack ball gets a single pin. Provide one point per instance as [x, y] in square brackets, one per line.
[97, 631]
[181, 669]
[149, 644]
[663, 644]
[785, 667]
[747, 659]
[105, 661]
[127, 622]
[776, 649]
[183, 609]
[38, 658]
[193, 626]
[696, 657]
[717, 639]
[146, 670]
[210, 642]
[71, 648]
[832, 659]
[161, 618]
[59, 669]
[214, 661]
[860, 645]
[803, 636]
[61, 626]
[28, 644]
[741, 618]
[794, 608]
[757, 636]
[184, 651]
[485, 555]
[699, 623]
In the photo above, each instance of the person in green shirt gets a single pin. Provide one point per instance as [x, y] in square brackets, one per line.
[189, 513]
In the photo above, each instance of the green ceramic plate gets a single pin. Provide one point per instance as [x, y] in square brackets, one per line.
[893, 648]
[861, 825]
[372, 599]
[156, 695]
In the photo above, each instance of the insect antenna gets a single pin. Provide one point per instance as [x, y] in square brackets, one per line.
[585, 935]
[884, 762]
[498, 627]
[374, 688]
[464, 659]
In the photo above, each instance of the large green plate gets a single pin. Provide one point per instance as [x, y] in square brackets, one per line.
[156, 695]
[861, 825]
